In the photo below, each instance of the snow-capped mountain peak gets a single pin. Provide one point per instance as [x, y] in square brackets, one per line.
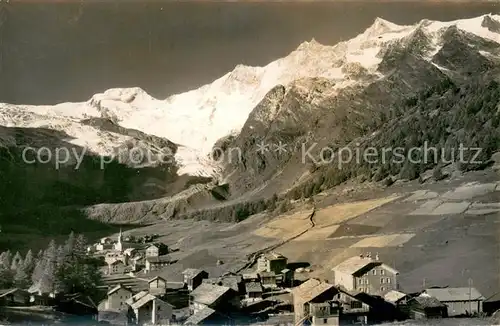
[196, 119]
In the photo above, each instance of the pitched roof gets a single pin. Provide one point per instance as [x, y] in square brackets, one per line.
[5, 292]
[136, 297]
[309, 290]
[495, 297]
[118, 287]
[208, 294]
[116, 262]
[356, 264]
[273, 256]
[142, 301]
[428, 301]
[200, 316]
[157, 278]
[191, 272]
[455, 294]
[394, 296]
[253, 287]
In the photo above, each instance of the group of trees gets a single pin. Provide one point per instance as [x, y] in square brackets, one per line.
[444, 117]
[65, 268]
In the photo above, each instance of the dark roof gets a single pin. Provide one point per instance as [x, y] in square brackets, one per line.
[429, 302]
[253, 287]
[200, 316]
[159, 259]
[5, 292]
[495, 297]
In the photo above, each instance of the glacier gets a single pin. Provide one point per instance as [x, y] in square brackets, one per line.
[197, 119]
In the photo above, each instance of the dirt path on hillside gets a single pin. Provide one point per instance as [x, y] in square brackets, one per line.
[252, 258]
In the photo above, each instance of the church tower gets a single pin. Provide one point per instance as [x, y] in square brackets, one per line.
[119, 244]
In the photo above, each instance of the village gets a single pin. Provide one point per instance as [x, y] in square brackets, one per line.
[363, 290]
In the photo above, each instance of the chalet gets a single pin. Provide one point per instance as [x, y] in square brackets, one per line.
[157, 263]
[311, 291]
[157, 286]
[194, 277]
[157, 249]
[365, 274]
[426, 307]
[219, 298]
[324, 313]
[254, 291]
[117, 267]
[271, 262]
[270, 280]
[117, 297]
[149, 309]
[14, 297]
[460, 301]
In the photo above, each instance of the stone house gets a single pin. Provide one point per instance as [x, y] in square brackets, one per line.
[117, 298]
[271, 262]
[157, 249]
[149, 309]
[117, 267]
[367, 275]
[157, 263]
[193, 277]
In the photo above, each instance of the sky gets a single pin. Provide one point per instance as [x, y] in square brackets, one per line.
[57, 53]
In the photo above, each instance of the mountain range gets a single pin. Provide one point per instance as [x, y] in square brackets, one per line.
[392, 85]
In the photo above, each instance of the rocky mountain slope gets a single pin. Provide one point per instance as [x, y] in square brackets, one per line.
[391, 86]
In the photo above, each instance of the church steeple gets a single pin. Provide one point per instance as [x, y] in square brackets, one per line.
[120, 236]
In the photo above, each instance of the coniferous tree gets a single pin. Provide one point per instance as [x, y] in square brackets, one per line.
[78, 273]
[21, 277]
[17, 260]
[29, 263]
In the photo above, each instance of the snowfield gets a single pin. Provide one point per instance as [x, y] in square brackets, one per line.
[196, 119]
